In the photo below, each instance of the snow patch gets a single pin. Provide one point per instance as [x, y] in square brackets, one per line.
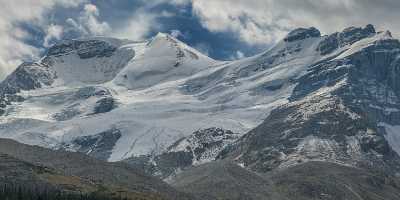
[392, 136]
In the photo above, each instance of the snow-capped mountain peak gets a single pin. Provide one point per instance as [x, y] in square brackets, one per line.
[118, 99]
[183, 50]
[164, 58]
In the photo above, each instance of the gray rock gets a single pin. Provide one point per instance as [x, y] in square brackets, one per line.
[301, 34]
[91, 91]
[104, 105]
[354, 34]
[99, 146]
[201, 147]
[347, 37]
[66, 114]
[27, 76]
[75, 100]
[329, 44]
[84, 48]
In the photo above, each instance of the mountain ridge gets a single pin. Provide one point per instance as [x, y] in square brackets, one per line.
[236, 96]
[311, 102]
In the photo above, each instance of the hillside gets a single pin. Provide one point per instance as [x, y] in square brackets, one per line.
[33, 166]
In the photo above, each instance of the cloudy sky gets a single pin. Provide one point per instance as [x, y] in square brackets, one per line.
[223, 29]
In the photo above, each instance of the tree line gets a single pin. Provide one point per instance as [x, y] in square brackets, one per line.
[18, 192]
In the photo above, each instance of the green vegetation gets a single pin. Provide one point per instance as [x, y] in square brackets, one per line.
[18, 192]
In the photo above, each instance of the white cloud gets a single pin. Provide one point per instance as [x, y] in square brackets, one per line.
[239, 55]
[255, 21]
[266, 21]
[176, 33]
[91, 9]
[54, 32]
[143, 21]
[13, 49]
[90, 23]
[138, 26]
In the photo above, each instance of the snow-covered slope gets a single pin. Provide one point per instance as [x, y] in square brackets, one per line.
[154, 92]
[163, 59]
[117, 99]
[88, 61]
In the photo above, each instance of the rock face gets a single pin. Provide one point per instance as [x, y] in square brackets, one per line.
[347, 37]
[84, 101]
[28, 76]
[88, 61]
[104, 105]
[301, 34]
[205, 145]
[84, 49]
[201, 147]
[98, 146]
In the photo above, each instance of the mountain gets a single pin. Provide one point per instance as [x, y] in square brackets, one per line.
[108, 112]
[343, 110]
[335, 138]
[309, 113]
